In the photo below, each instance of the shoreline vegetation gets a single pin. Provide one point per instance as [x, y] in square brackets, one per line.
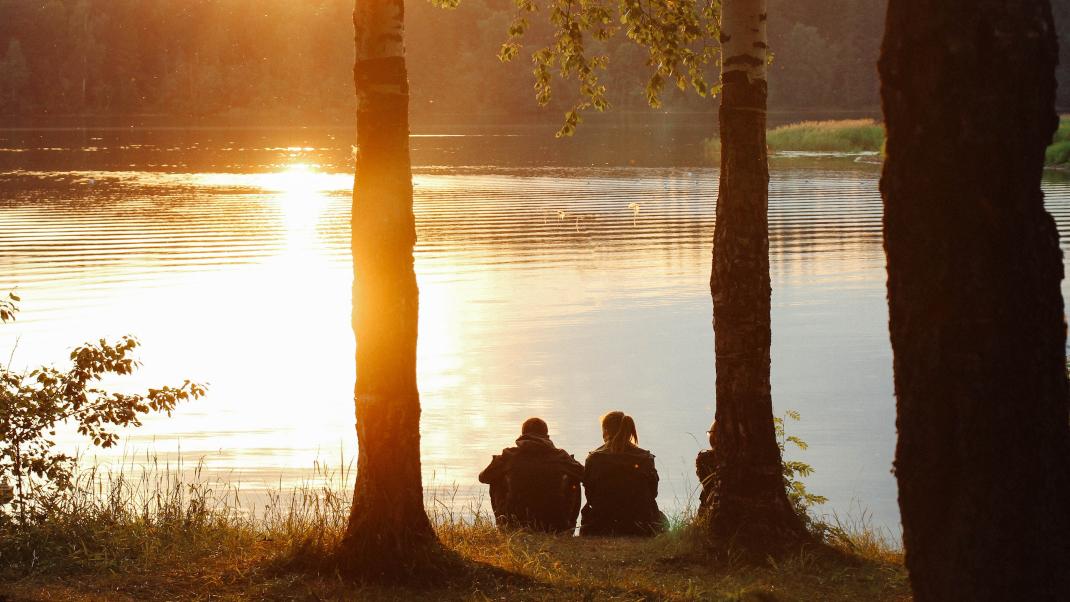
[866, 136]
[841, 136]
[150, 533]
[1058, 152]
[148, 530]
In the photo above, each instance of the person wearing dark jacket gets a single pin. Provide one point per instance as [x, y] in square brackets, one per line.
[704, 468]
[621, 483]
[534, 485]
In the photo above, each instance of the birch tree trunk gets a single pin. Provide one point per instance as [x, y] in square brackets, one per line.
[388, 524]
[748, 501]
[976, 314]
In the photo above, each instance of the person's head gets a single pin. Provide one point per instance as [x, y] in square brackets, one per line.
[618, 431]
[535, 426]
[713, 434]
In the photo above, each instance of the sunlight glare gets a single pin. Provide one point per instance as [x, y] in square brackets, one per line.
[297, 179]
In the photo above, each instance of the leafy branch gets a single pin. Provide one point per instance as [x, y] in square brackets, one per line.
[8, 309]
[795, 470]
[680, 37]
[33, 405]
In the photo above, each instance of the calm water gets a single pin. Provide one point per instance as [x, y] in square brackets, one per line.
[560, 279]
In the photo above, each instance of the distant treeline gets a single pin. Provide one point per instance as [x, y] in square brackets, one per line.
[293, 59]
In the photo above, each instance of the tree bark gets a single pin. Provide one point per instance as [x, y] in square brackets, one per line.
[976, 313]
[388, 525]
[748, 502]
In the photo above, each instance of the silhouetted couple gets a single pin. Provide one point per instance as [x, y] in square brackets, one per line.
[537, 486]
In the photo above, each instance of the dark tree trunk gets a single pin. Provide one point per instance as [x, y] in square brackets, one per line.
[388, 526]
[747, 501]
[976, 314]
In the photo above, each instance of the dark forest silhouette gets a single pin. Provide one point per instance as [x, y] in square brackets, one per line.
[243, 57]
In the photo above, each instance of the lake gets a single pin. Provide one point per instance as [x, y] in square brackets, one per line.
[558, 278]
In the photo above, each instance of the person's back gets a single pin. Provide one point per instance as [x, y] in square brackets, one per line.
[621, 484]
[534, 485]
[705, 469]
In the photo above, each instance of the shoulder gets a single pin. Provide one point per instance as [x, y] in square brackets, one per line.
[604, 449]
[643, 452]
[597, 455]
[566, 457]
[640, 454]
[499, 460]
[635, 454]
[644, 460]
[507, 455]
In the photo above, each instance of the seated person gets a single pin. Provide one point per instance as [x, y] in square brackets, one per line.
[621, 483]
[534, 485]
[704, 468]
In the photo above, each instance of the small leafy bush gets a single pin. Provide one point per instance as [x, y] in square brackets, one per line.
[35, 403]
[795, 470]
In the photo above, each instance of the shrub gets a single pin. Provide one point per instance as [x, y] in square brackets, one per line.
[33, 404]
[794, 473]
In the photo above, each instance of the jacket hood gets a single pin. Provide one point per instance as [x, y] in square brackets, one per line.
[532, 441]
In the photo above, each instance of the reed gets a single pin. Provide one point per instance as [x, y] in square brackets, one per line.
[845, 136]
[850, 136]
[865, 135]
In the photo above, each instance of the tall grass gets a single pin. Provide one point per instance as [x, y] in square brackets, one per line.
[843, 136]
[865, 135]
[161, 531]
[1058, 153]
[132, 517]
[846, 136]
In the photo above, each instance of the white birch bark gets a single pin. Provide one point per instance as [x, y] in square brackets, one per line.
[379, 28]
[744, 45]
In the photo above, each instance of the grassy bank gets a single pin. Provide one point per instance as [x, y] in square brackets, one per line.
[844, 136]
[866, 135]
[1058, 154]
[159, 536]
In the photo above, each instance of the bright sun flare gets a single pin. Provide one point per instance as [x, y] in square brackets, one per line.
[297, 178]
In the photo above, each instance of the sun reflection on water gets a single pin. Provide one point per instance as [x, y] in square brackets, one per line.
[242, 280]
[298, 179]
[294, 178]
[307, 359]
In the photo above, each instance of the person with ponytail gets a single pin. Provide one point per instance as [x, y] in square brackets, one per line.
[621, 483]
